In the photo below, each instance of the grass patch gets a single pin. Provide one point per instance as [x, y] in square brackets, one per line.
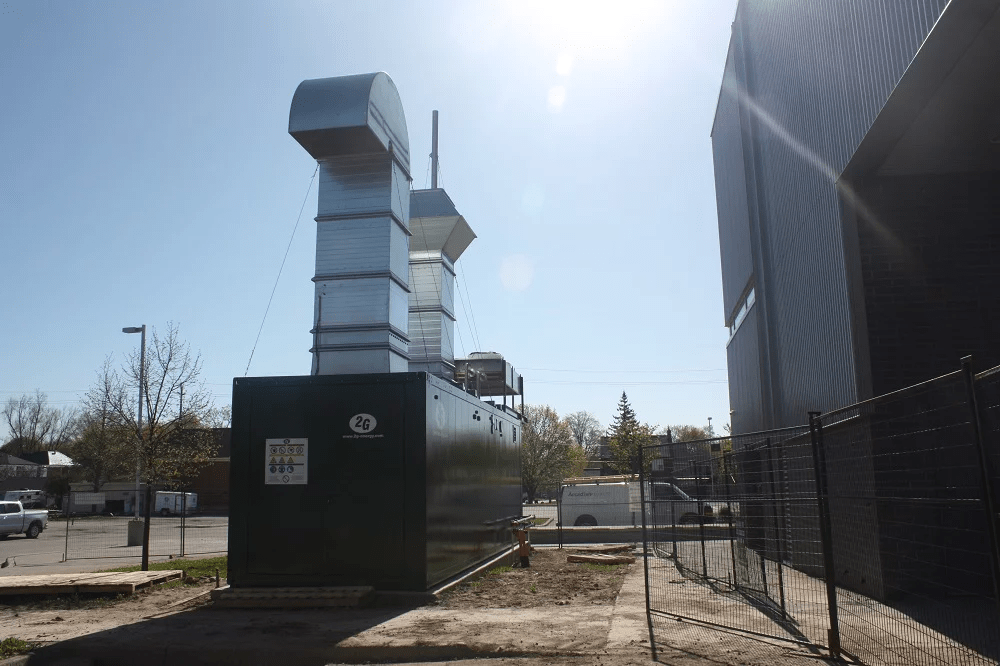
[500, 570]
[10, 647]
[201, 567]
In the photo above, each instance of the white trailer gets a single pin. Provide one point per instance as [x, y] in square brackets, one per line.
[169, 503]
[30, 499]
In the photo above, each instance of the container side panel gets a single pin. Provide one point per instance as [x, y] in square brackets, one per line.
[473, 480]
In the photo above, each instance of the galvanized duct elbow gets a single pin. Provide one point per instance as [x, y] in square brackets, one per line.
[355, 128]
[439, 237]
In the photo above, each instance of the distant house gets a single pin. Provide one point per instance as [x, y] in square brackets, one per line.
[51, 459]
[18, 473]
[118, 496]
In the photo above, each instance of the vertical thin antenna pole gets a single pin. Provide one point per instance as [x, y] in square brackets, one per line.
[434, 151]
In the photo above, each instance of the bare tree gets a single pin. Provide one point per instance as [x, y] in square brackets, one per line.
[587, 431]
[173, 443]
[548, 452]
[219, 417]
[105, 448]
[34, 426]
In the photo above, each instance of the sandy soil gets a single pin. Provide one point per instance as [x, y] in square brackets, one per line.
[549, 581]
[46, 620]
[550, 613]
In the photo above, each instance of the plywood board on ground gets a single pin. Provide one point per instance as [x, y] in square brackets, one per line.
[109, 582]
[601, 559]
[620, 548]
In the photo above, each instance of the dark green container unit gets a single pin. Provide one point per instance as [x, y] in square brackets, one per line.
[424, 493]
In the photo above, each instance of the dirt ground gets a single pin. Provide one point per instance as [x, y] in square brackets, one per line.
[552, 612]
[549, 581]
[49, 619]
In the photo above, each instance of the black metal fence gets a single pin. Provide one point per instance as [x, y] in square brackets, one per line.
[176, 529]
[870, 533]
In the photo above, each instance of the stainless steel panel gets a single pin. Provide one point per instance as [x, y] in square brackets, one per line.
[354, 246]
[355, 184]
[350, 115]
[439, 237]
[355, 127]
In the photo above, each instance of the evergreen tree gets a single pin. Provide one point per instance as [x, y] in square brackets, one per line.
[626, 437]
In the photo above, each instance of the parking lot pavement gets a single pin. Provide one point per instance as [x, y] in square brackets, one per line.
[540, 510]
[93, 543]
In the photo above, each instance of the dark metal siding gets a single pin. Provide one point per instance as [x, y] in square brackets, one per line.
[744, 377]
[731, 192]
[816, 75]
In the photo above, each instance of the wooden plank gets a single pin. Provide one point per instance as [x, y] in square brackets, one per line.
[622, 548]
[106, 582]
[601, 559]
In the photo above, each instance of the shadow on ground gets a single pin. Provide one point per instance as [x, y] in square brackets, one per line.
[223, 636]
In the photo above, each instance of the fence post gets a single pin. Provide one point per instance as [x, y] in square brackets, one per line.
[777, 529]
[730, 474]
[145, 528]
[826, 533]
[645, 545]
[66, 546]
[559, 515]
[701, 517]
[985, 475]
[183, 518]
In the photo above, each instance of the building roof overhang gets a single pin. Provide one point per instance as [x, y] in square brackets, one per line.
[944, 114]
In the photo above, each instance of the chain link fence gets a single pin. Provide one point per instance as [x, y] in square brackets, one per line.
[870, 533]
[175, 530]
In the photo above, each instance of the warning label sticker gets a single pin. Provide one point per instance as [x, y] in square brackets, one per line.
[283, 469]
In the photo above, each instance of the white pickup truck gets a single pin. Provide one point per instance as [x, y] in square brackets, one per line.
[15, 519]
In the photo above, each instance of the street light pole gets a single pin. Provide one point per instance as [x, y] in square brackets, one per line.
[142, 370]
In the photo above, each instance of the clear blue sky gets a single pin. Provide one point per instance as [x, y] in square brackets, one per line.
[148, 176]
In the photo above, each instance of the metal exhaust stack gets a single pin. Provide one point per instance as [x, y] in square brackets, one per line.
[355, 128]
[440, 236]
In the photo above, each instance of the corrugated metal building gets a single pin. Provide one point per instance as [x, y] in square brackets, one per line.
[857, 165]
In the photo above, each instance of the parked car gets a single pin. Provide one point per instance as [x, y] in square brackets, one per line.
[15, 519]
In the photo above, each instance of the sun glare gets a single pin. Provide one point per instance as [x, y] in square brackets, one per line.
[586, 24]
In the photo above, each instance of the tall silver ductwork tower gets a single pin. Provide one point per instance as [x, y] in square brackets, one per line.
[440, 236]
[355, 128]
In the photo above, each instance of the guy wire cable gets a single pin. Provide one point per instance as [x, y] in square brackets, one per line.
[281, 268]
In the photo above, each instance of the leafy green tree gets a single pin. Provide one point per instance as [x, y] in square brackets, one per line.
[626, 437]
[548, 452]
